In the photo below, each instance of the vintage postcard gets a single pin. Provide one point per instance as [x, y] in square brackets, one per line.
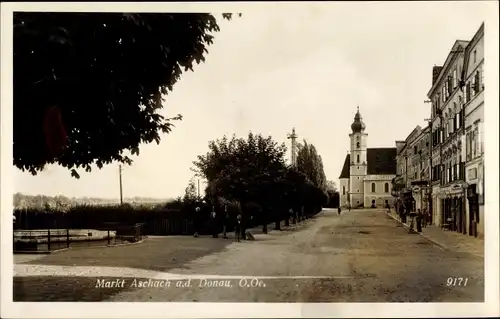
[286, 159]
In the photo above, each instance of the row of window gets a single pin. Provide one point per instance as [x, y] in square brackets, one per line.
[374, 188]
[448, 172]
[451, 125]
[473, 143]
[472, 87]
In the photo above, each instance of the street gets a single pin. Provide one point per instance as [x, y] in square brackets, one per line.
[361, 256]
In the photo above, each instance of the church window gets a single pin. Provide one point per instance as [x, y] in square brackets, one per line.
[386, 187]
[357, 157]
[373, 187]
[343, 190]
[357, 144]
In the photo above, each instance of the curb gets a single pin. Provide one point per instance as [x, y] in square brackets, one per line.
[421, 234]
[38, 252]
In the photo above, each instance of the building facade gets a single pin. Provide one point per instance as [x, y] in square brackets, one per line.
[365, 179]
[413, 169]
[455, 86]
[473, 152]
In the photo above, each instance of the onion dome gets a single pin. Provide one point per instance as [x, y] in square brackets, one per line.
[358, 125]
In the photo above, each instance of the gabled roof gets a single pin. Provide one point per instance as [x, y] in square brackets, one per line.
[345, 169]
[473, 41]
[459, 45]
[381, 161]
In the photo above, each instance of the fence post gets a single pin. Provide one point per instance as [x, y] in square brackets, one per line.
[48, 239]
[67, 237]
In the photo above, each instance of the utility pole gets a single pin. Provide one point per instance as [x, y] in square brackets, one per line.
[293, 137]
[121, 187]
[198, 188]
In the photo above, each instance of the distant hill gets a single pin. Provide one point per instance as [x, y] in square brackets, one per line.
[22, 201]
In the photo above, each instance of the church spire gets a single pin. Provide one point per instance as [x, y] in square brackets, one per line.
[358, 125]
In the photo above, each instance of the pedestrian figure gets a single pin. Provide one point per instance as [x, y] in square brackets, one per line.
[339, 210]
[425, 218]
[406, 211]
[237, 228]
[213, 219]
[196, 222]
[225, 221]
[419, 221]
[349, 207]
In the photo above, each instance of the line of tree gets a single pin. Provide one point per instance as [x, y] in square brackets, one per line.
[253, 171]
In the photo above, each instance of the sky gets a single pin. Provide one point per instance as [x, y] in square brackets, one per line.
[304, 65]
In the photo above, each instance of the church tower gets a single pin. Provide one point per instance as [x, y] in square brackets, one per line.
[358, 162]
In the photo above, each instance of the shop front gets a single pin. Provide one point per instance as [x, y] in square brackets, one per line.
[453, 209]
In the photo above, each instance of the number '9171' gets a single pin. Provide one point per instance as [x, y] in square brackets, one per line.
[457, 281]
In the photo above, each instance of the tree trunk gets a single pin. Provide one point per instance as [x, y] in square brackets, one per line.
[277, 224]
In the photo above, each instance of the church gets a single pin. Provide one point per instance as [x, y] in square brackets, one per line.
[366, 177]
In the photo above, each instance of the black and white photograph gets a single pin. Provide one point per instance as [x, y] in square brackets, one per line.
[271, 159]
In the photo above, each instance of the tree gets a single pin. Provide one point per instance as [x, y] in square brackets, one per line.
[237, 168]
[88, 86]
[331, 186]
[190, 194]
[244, 170]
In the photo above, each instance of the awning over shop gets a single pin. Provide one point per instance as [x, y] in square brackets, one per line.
[420, 183]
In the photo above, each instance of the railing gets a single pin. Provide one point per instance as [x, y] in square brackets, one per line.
[46, 240]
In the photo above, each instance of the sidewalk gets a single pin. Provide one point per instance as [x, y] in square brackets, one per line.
[449, 240]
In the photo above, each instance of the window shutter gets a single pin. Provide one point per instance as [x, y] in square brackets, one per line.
[474, 92]
[479, 138]
[467, 92]
[463, 139]
[476, 82]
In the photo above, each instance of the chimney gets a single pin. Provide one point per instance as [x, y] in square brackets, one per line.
[435, 73]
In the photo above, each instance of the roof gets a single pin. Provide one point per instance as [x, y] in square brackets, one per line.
[381, 161]
[451, 56]
[345, 168]
[473, 41]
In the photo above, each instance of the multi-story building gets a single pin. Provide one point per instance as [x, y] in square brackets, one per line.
[446, 129]
[473, 152]
[413, 168]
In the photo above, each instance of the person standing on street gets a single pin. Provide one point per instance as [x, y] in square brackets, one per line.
[425, 217]
[237, 228]
[225, 220]
[339, 210]
[196, 222]
[419, 220]
[213, 219]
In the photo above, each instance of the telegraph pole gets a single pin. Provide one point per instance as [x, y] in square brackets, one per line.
[198, 188]
[121, 187]
[293, 137]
